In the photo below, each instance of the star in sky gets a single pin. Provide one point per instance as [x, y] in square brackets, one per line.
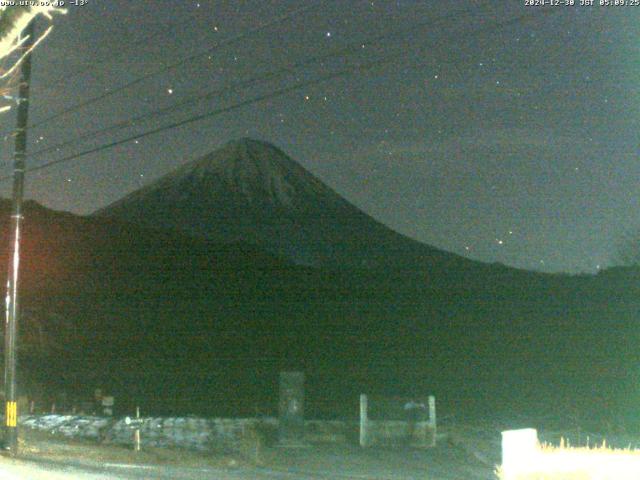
[462, 112]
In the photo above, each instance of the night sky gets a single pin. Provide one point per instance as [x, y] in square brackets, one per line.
[496, 136]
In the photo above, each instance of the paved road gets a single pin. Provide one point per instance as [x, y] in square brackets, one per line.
[327, 462]
[19, 469]
[28, 470]
[31, 470]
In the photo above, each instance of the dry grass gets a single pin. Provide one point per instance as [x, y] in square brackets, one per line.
[579, 463]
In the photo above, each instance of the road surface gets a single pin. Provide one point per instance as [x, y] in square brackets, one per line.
[19, 469]
[33, 469]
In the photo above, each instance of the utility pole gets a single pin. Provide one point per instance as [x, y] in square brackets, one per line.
[12, 305]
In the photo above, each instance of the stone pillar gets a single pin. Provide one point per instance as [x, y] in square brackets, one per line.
[432, 420]
[291, 408]
[364, 421]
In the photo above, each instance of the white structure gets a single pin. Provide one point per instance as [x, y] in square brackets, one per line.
[519, 450]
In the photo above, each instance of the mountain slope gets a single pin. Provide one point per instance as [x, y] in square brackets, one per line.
[253, 192]
[182, 325]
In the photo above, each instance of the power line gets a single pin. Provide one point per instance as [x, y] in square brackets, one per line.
[349, 49]
[179, 63]
[277, 93]
[62, 80]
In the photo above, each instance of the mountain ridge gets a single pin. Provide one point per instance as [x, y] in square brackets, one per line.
[115, 304]
[250, 190]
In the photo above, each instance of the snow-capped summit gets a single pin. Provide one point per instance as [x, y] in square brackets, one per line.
[251, 191]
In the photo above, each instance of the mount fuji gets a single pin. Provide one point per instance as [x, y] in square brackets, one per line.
[250, 191]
